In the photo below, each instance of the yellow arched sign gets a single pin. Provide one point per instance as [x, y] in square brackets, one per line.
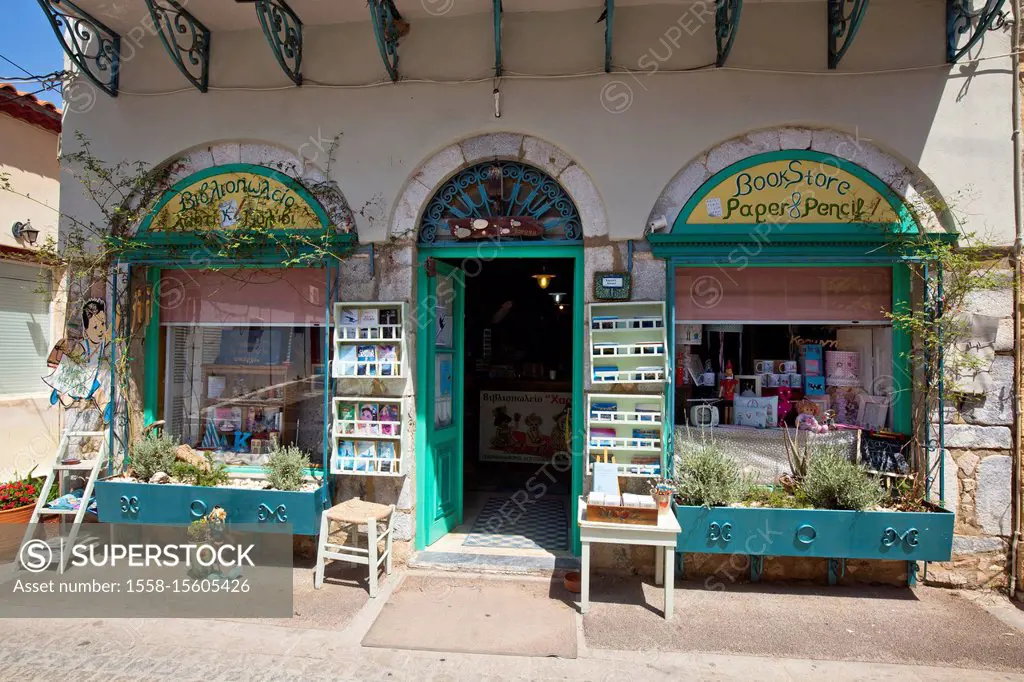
[791, 190]
[236, 197]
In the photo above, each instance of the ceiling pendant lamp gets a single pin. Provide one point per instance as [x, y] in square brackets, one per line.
[543, 279]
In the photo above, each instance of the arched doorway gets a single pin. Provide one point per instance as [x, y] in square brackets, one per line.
[500, 309]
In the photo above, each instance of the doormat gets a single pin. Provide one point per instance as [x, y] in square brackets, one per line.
[448, 612]
[536, 524]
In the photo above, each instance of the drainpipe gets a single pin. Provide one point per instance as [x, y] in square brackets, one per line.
[1018, 365]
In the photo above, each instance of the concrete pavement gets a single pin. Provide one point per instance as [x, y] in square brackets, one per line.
[232, 650]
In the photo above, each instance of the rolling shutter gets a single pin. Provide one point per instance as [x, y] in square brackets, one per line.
[25, 295]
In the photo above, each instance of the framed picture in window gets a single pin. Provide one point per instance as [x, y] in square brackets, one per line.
[872, 411]
[749, 385]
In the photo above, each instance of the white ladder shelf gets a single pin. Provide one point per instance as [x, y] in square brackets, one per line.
[91, 466]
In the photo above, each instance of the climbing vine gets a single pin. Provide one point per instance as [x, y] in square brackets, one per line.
[88, 249]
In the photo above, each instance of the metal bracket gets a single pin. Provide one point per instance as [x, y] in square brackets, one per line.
[727, 23]
[836, 570]
[843, 27]
[608, 16]
[388, 28]
[90, 45]
[912, 569]
[961, 19]
[283, 30]
[186, 39]
[497, 14]
[756, 568]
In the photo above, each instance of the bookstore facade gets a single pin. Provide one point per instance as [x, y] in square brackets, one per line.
[442, 373]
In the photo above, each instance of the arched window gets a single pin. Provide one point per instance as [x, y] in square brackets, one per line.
[500, 201]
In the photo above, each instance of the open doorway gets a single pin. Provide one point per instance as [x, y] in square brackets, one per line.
[517, 388]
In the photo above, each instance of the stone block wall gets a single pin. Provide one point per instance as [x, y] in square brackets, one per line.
[978, 459]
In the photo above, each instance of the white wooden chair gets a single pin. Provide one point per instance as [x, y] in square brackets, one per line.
[375, 521]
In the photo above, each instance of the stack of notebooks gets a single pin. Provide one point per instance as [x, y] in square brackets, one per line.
[623, 500]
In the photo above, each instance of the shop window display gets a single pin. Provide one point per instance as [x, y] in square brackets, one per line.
[243, 370]
[809, 349]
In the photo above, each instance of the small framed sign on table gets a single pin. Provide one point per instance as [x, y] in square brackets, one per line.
[612, 286]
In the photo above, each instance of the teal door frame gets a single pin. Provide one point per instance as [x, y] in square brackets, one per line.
[486, 252]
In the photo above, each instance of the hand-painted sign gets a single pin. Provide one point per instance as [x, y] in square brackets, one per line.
[524, 426]
[236, 197]
[791, 190]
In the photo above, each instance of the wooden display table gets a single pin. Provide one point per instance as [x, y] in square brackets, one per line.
[662, 537]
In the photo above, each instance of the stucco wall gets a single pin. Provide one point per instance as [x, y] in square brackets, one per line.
[28, 155]
[631, 132]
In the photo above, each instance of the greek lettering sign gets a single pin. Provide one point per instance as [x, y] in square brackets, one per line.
[793, 190]
[237, 197]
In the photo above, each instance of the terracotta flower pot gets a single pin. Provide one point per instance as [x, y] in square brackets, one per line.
[572, 582]
[10, 540]
[18, 514]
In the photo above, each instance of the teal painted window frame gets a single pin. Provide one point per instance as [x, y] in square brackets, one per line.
[150, 247]
[800, 245]
[487, 251]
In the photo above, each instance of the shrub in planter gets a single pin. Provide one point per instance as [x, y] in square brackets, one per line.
[834, 482]
[286, 467]
[151, 454]
[212, 474]
[706, 477]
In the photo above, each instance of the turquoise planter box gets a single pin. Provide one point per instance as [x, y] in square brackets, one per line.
[824, 533]
[171, 505]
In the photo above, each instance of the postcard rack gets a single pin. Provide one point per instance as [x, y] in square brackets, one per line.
[367, 432]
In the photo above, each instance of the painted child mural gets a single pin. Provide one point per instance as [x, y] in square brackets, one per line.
[81, 368]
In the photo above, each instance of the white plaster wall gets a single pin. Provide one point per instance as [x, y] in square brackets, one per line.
[28, 156]
[631, 132]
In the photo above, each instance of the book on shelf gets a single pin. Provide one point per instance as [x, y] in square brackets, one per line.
[348, 320]
[647, 411]
[346, 455]
[386, 456]
[388, 416]
[365, 450]
[605, 371]
[367, 360]
[387, 355]
[602, 437]
[347, 415]
[644, 435]
[387, 319]
[369, 320]
[348, 356]
[602, 407]
[367, 424]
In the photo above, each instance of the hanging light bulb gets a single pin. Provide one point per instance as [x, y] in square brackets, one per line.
[543, 279]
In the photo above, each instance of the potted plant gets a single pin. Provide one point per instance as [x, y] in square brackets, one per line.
[662, 490]
[18, 498]
[832, 508]
[173, 484]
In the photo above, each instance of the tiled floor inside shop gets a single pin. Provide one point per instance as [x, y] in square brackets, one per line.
[498, 523]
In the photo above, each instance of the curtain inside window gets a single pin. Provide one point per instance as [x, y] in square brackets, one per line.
[841, 294]
[243, 296]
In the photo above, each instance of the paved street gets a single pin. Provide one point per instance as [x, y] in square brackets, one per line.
[315, 647]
